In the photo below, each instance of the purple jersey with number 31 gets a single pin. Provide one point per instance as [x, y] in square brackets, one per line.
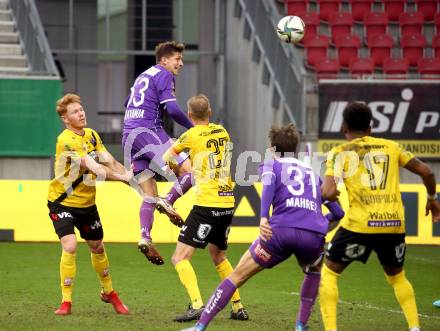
[149, 94]
[297, 197]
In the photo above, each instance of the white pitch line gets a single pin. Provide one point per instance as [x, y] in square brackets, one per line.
[368, 306]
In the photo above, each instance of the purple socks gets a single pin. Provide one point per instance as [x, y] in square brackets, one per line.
[309, 292]
[146, 219]
[218, 301]
[181, 186]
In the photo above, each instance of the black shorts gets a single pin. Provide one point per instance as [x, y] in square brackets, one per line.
[347, 246]
[86, 220]
[207, 225]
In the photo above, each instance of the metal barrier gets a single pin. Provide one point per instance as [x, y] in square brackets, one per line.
[33, 38]
[283, 64]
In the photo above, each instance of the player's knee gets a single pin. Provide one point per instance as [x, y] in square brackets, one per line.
[69, 244]
[393, 279]
[177, 257]
[96, 247]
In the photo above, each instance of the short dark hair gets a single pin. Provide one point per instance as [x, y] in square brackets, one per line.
[167, 49]
[357, 116]
[284, 138]
[199, 106]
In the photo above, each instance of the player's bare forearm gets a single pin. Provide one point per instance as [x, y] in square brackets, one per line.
[425, 172]
[265, 229]
[169, 158]
[329, 190]
[104, 172]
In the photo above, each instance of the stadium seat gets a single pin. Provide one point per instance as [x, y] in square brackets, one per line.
[429, 68]
[394, 8]
[436, 45]
[361, 67]
[412, 46]
[328, 7]
[375, 24]
[428, 8]
[327, 68]
[348, 48]
[437, 22]
[340, 23]
[380, 48]
[359, 8]
[296, 7]
[311, 20]
[411, 23]
[316, 48]
[396, 68]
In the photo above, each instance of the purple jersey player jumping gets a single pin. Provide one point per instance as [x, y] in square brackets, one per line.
[145, 141]
[297, 226]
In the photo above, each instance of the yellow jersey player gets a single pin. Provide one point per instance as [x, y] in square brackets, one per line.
[208, 223]
[80, 157]
[375, 220]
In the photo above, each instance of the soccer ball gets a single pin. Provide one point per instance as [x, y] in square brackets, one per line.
[290, 29]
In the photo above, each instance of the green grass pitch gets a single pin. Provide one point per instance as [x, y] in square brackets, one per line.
[29, 292]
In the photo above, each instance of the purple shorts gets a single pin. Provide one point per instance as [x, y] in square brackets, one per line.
[308, 247]
[144, 148]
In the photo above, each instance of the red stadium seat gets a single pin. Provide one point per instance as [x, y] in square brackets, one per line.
[296, 7]
[394, 8]
[429, 68]
[327, 68]
[380, 48]
[436, 45]
[328, 7]
[412, 46]
[316, 48]
[411, 23]
[311, 20]
[361, 67]
[428, 8]
[359, 8]
[396, 67]
[340, 23]
[375, 24]
[348, 48]
[437, 22]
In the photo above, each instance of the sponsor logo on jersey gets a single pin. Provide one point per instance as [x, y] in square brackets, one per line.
[262, 253]
[376, 224]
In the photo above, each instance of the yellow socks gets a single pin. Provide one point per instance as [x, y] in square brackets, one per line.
[405, 296]
[189, 280]
[224, 269]
[67, 274]
[101, 265]
[328, 297]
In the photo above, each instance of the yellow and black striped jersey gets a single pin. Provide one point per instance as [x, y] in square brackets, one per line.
[369, 168]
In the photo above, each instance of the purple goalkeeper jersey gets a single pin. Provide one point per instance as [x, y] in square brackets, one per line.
[294, 191]
[149, 94]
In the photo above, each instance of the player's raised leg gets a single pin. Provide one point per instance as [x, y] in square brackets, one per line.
[224, 269]
[146, 217]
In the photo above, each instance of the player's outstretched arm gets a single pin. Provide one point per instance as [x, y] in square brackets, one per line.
[105, 172]
[425, 172]
[177, 115]
[335, 215]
